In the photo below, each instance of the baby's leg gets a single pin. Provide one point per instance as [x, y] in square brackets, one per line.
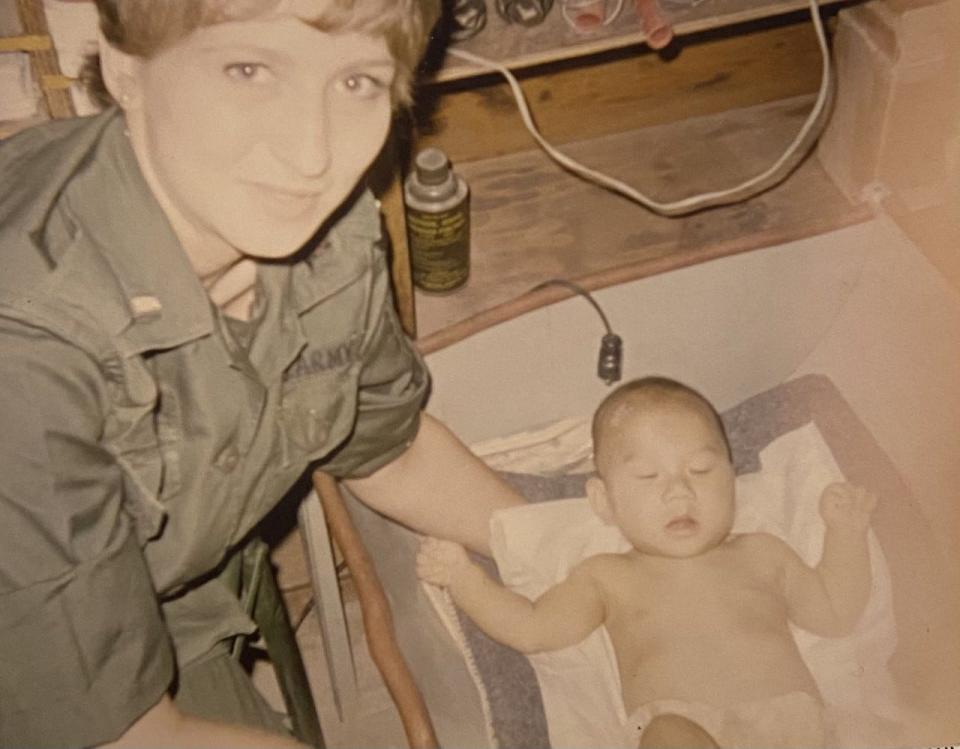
[671, 731]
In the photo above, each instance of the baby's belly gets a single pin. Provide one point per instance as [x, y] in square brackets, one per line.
[715, 671]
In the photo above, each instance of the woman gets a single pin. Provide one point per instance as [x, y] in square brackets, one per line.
[194, 307]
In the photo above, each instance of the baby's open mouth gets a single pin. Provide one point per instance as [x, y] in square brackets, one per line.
[683, 525]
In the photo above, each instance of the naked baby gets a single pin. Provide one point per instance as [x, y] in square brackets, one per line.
[697, 616]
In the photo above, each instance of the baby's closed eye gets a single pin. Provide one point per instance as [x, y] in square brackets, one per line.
[703, 462]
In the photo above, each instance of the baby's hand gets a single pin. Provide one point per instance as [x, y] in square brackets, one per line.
[847, 507]
[440, 562]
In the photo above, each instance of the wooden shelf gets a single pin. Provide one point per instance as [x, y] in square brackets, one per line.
[533, 221]
[625, 90]
[554, 40]
[719, 111]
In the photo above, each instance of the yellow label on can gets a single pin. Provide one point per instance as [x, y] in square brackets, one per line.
[439, 247]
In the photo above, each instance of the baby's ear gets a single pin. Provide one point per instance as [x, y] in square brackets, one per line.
[599, 501]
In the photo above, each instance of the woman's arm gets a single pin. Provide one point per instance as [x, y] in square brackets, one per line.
[83, 645]
[563, 616]
[439, 488]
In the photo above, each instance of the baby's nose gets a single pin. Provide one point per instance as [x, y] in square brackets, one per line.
[678, 488]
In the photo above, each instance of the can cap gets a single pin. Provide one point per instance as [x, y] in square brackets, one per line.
[433, 167]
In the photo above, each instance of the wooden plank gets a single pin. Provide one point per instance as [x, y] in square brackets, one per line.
[45, 64]
[401, 272]
[632, 271]
[624, 93]
[25, 43]
[533, 221]
[385, 179]
[51, 82]
[520, 46]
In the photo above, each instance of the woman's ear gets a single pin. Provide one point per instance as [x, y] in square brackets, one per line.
[599, 499]
[119, 72]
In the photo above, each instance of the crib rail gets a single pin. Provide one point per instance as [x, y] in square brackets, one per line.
[377, 617]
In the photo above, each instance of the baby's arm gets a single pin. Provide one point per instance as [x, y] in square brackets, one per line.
[829, 599]
[563, 616]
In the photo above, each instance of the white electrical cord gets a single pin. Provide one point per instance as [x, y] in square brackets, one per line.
[694, 202]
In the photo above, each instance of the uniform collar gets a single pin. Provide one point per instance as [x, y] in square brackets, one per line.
[341, 255]
[122, 221]
[49, 155]
[95, 201]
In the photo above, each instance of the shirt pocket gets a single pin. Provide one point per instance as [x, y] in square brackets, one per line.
[317, 413]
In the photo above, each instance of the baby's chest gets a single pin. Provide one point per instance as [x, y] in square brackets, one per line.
[734, 596]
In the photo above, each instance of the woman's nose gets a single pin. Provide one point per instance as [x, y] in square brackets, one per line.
[302, 141]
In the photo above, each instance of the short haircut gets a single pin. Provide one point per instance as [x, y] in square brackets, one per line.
[145, 27]
[653, 390]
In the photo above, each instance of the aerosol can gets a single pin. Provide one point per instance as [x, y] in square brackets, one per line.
[438, 222]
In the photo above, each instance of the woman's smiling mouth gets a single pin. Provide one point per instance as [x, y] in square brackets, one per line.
[288, 201]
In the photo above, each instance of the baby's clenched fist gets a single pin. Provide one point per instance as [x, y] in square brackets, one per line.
[847, 507]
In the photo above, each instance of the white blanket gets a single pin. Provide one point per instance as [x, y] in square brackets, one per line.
[536, 545]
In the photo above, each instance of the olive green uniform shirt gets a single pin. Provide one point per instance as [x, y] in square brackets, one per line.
[142, 434]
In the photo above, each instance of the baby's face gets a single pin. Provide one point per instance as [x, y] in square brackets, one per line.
[668, 482]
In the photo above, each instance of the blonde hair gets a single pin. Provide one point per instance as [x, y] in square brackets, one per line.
[652, 391]
[144, 27]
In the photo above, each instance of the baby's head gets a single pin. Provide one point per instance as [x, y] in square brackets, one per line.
[665, 474]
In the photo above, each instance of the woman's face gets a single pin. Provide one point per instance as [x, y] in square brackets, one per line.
[251, 133]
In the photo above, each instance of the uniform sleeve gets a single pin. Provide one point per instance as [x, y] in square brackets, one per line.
[392, 389]
[83, 648]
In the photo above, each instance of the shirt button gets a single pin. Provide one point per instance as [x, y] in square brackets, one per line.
[227, 459]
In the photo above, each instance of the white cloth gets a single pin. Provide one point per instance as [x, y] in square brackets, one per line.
[787, 721]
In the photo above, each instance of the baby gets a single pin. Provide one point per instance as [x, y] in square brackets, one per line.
[697, 616]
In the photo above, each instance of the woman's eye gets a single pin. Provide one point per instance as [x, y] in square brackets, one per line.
[701, 469]
[646, 476]
[363, 85]
[246, 71]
